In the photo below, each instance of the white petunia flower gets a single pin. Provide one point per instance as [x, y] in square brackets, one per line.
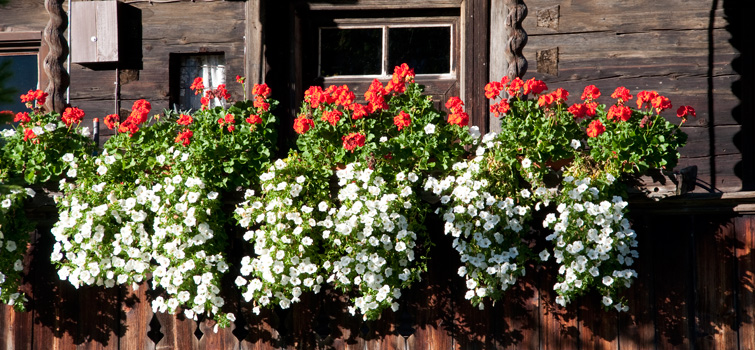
[575, 144]
[430, 128]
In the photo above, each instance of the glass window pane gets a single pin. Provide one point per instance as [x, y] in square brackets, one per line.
[211, 68]
[22, 77]
[350, 51]
[426, 49]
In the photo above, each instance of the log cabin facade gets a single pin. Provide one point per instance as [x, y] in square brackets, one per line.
[695, 288]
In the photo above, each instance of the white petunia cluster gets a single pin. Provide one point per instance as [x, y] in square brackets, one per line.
[594, 244]
[374, 231]
[361, 242]
[13, 240]
[159, 226]
[487, 226]
[286, 262]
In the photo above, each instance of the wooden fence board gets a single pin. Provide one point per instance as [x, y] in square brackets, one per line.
[636, 331]
[136, 325]
[558, 325]
[745, 248]
[715, 311]
[672, 280]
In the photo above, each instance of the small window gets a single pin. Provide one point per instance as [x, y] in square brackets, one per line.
[374, 51]
[22, 76]
[184, 68]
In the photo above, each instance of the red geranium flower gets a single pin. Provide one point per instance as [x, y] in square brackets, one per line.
[302, 124]
[254, 119]
[22, 117]
[197, 86]
[622, 113]
[460, 119]
[578, 110]
[455, 105]
[595, 128]
[534, 86]
[545, 100]
[661, 103]
[352, 141]
[516, 84]
[342, 96]
[184, 120]
[500, 108]
[112, 120]
[560, 95]
[591, 93]
[184, 137]
[622, 94]
[34, 95]
[72, 115]
[259, 102]
[261, 89]
[375, 97]
[222, 92]
[684, 111]
[359, 111]
[401, 75]
[645, 96]
[331, 117]
[29, 134]
[493, 89]
[240, 79]
[402, 120]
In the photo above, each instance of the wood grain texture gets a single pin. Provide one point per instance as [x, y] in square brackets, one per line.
[745, 278]
[715, 311]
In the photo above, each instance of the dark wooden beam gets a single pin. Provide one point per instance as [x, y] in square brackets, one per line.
[56, 57]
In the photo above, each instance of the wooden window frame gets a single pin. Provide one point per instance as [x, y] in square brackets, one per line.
[386, 71]
[26, 43]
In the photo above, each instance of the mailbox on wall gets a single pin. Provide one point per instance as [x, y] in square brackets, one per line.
[94, 31]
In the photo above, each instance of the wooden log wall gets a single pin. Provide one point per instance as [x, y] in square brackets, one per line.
[696, 53]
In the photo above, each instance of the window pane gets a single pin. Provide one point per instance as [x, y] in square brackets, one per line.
[350, 51]
[427, 50]
[211, 68]
[23, 77]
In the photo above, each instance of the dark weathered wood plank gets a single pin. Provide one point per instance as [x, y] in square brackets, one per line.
[745, 278]
[672, 280]
[715, 312]
[636, 326]
[136, 325]
[598, 328]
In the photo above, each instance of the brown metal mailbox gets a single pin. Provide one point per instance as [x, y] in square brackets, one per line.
[94, 31]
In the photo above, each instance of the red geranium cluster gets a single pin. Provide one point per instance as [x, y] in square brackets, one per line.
[457, 116]
[30, 135]
[22, 117]
[254, 119]
[72, 115]
[589, 108]
[660, 103]
[595, 128]
[402, 120]
[375, 96]
[229, 121]
[184, 119]
[220, 92]
[184, 137]
[139, 113]
[401, 75]
[353, 140]
[34, 95]
[302, 124]
[112, 120]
